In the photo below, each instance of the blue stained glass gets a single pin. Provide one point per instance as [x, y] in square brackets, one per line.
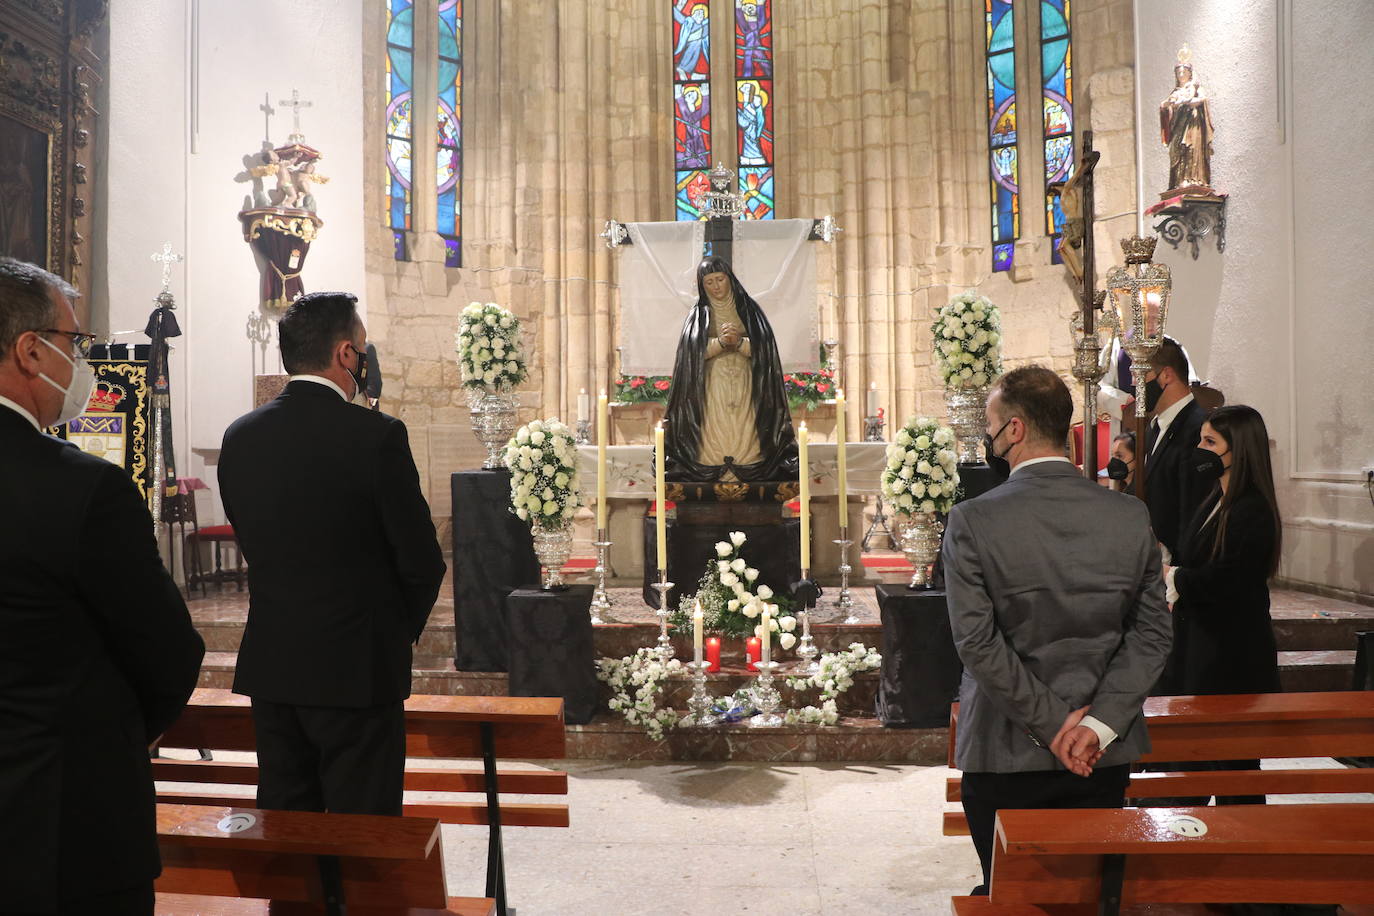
[1056, 95]
[1001, 26]
[691, 50]
[691, 40]
[1002, 257]
[692, 185]
[692, 125]
[1002, 131]
[400, 61]
[1052, 55]
[753, 39]
[756, 185]
[1052, 18]
[453, 253]
[448, 165]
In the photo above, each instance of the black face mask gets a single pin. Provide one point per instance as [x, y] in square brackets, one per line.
[1153, 392]
[1001, 467]
[1118, 469]
[360, 374]
[1207, 464]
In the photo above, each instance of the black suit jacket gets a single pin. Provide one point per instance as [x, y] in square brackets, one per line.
[1223, 636]
[1173, 488]
[343, 562]
[97, 658]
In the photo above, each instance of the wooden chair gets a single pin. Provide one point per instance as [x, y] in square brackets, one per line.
[1239, 727]
[180, 510]
[305, 858]
[218, 536]
[481, 728]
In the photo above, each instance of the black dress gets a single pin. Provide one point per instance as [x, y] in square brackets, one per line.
[1223, 635]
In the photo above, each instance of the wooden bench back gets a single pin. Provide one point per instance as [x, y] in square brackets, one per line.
[1249, 854]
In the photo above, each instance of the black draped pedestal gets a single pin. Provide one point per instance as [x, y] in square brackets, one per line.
[551, 652]
[773, 549]
[493, 554]
[921, 671]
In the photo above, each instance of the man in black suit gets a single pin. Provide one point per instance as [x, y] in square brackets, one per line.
[97, 651]
[343, 570]
[1173, 487]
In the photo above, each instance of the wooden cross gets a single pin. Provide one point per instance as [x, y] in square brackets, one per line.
[167, 259]
[295, 103]
[267, 112]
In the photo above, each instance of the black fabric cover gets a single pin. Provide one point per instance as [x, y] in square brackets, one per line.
[551, 653]
[921, 671]
[687, 399]
[774, 550]
[974, 481]
[493, 553]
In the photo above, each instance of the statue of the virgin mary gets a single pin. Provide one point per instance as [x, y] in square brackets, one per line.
[727, 413]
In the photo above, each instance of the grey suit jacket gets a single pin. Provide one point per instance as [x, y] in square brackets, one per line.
[1056, 602]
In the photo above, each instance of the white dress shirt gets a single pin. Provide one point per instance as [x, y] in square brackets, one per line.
[318, 380]
[1167, 416]
[1105, 734]
[6, 402]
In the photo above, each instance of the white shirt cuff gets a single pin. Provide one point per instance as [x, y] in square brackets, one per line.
[1105, 735]
[1170, 592]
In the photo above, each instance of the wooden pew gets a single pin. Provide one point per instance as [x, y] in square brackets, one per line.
[1248, 854]
[484, 728]
[394, 864]
[1240, 727]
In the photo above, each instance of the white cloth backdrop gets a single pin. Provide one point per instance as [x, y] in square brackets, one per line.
[630, 469]
[773, 261]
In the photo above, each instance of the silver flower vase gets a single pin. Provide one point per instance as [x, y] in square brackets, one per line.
[968, 417]
[493, 422]
[552, 546]
[921, 545]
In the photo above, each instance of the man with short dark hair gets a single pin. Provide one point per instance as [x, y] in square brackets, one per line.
[97, 651]
[1173, 487]
[1057, 610]
[343, 570]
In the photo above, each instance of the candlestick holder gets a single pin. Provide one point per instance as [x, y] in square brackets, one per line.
[583, 436]
[601, 600]
[665, 645]
[700, 703]
[806, 646]
[878, 526]
[873, 429]
[845, 601]
[766, 698]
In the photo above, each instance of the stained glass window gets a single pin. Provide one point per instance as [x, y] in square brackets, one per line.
[754, 105]
[1001, 62]
[400, 67]
[1056, 93]
[691, 105]
[448, 171]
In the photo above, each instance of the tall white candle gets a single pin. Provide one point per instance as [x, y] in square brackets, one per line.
[767, 635]
[584, 401]
[804, 473]
[840, 440]
[872, 399]
[698, 623]
[660, 502]
[601, 430]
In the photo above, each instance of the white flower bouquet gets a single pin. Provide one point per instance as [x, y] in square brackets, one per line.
[922, 473]
[636, 683]
[542, 457]
[733, 599]
[488, 345]
[968, 341]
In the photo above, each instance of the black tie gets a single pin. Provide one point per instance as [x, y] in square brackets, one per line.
[1152, 436]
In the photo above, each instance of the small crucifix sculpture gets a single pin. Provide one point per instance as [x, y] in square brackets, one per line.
[167, 259]
[295, 103]
[267, 112]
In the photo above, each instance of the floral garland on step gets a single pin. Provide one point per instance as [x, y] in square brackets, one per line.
[968, 341]
[637, 682]
[542, 457]
[836, 675]
[922, 473]
[488, 345]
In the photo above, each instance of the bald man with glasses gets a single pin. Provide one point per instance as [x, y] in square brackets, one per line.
[97, 652]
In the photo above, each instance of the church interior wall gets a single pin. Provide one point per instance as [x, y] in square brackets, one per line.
[1281, 320]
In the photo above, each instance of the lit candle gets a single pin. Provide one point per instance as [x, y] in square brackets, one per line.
[583, 405]
[698, 621]
[804, 509]
[767, 635]
[660, 503]
[713, 653]
[751, 652]
[840, 455]
[872, 399]
[601, 428]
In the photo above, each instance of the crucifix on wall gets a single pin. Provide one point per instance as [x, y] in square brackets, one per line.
[295, 103]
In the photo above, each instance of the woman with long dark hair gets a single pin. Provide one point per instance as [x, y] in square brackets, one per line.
[727, 415]
[1223, 636]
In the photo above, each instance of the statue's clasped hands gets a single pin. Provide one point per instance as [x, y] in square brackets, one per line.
[730, 337]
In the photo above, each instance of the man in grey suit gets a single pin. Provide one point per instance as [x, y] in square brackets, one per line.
[1057, 608]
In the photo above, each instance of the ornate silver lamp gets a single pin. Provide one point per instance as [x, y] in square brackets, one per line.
[1088, 368]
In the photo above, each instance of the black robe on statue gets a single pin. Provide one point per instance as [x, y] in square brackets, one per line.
[686, 413]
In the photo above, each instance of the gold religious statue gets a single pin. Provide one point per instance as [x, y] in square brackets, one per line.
[1185, 122]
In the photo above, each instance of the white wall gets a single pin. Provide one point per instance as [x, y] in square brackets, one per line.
[1283, 320]
[186, 80]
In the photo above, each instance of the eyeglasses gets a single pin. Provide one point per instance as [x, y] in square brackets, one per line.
[80, 340]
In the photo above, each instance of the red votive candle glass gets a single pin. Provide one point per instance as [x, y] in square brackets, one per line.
[712, 652]
[753, 651]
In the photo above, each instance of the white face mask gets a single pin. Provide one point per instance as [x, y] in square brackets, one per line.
[76, 394]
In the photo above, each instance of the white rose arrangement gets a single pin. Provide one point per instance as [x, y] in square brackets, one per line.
[542, 457]
[636, 683]
[922, 473]
[488, 345]
[968, 341]
[836, 675]
[733, 599]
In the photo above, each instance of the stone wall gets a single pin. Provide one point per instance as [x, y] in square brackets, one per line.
[881, 122]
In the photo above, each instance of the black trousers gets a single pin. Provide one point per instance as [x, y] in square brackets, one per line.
[131, 901]
[985, 794]
[324, 758]
[1195, 766]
